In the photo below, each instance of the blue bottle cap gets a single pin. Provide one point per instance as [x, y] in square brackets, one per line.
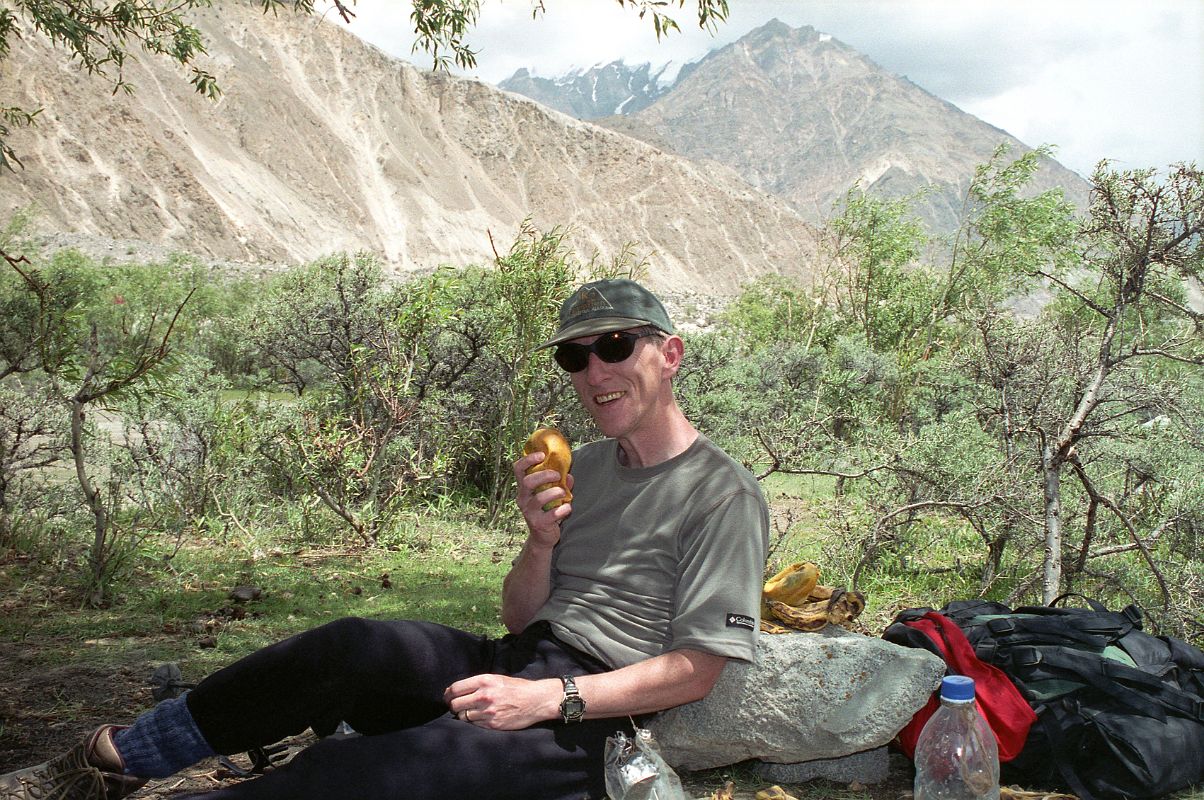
[958, 688]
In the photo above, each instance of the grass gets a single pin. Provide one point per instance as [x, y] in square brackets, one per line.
[454, 580]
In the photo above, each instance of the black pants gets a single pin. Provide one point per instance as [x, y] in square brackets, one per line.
[386, 680]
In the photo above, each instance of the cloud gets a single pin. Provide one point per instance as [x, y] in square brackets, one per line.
[1131, 92]
[1098, 78]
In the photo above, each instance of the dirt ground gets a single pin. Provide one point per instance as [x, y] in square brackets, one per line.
[45, 711]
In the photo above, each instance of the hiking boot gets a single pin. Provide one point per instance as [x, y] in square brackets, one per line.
[92, 770]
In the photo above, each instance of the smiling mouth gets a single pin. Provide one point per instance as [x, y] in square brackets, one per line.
[603, 399]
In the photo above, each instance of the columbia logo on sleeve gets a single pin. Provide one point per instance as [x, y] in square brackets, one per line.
[741, 621]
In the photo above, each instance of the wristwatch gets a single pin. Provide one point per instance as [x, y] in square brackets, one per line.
[572, 707]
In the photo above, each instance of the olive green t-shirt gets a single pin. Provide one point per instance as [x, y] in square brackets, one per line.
[659, 558]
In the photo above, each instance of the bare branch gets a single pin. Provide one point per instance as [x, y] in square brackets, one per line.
[961, 506]
[1084, 299]
[1167, 354]
[1195, 316]
[1109, 504]
[14, 261]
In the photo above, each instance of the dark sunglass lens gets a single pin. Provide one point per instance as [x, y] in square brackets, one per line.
[615, 347]
[611, 348]
[572, 357]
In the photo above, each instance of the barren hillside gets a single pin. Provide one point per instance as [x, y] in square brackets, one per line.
[321, 143]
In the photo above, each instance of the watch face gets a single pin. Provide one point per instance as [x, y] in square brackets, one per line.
[572, 708]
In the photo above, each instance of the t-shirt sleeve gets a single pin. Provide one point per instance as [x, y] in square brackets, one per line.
[720, 577]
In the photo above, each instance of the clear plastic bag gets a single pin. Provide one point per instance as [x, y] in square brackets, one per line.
[635, 770]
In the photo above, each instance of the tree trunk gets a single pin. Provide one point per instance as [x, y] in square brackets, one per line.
[98, 556]
[995, 548]
[5, 514]
[1051, 469]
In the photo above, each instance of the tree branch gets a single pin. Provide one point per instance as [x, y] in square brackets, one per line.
[961, 506]
[1107, 503]
[1084, 299]
[1156, 351]
[1195, 316]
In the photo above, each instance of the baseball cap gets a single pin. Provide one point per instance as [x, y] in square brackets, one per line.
[614, 304]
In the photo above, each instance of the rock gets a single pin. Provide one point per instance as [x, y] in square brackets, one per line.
[245, 594]
[869, 766]
[807, 696]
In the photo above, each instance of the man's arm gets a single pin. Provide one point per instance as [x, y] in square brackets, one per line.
[505, 703]
[660, 682]
[528, 584]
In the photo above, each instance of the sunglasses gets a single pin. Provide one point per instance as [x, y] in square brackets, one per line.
[610, 347]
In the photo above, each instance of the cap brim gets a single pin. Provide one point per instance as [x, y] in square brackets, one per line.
[590, 327]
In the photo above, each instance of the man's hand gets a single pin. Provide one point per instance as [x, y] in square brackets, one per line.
[544, 525]
[504, 703]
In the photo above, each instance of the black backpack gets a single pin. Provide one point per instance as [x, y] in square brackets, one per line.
[1120, 713]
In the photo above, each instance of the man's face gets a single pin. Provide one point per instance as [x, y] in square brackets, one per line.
[626, 399]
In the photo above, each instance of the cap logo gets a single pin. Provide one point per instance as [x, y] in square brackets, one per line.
[587, 300]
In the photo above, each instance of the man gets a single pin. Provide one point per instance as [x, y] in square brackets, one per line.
[627, 601]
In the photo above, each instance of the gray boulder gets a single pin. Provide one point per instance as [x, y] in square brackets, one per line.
[807, 696]
[868, 766]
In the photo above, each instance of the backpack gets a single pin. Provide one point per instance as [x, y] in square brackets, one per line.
[1119, 712]
[997, 699]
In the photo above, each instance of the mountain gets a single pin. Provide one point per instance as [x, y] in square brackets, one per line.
[321, 143]
[599, 91]
[803, 116]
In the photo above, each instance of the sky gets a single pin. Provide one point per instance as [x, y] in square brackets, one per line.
[1115, 79]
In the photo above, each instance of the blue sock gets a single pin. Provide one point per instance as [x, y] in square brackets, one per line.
[162, 741]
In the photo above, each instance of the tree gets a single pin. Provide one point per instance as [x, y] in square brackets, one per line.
[1038, 385]
[29, 441]
[93, 344]
[1141, 244]
[357, 352]
[1006, 236]
[524, 291]
[1066, 389]
[349, 457]
[878, 283]
[98, 35]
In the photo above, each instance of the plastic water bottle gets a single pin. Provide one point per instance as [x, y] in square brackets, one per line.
[957, 757]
